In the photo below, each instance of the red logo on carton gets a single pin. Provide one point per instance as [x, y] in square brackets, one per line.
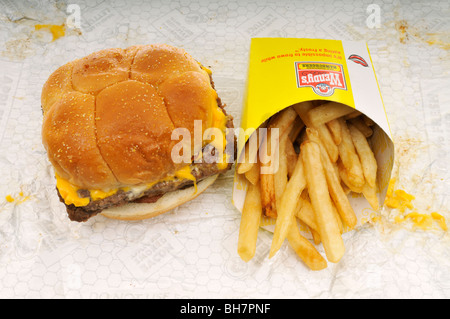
[322, 77]
[357, 59]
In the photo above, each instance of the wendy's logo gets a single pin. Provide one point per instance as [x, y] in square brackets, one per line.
[322, 77]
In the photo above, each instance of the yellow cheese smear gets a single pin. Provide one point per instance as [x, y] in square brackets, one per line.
[18, 200]
[401, 200]
[57, 31]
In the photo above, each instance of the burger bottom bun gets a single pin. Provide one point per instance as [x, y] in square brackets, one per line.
[169, 201]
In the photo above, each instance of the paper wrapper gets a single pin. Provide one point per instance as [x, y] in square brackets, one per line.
[286, 71]
[191, 252]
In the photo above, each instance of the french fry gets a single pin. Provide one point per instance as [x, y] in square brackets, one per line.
[335, 130]
[266, 178]
[321, 201]
[337, 193]
[315, 235]
[250, 155]
[250, 219]
[287, 206]
[283, 120]
[305, 213]
[304, 249]
[328, 142]
[301, 137]
[368, 121]
[338, 218]
[349, 157]
[253, 174]
[291, 156]
[344, 178]
[297, 126]
[281, 174]
[343, 185]
[353, 114]
[366, 156]
[336, 170]
[362, 126]
[370, 193]
[327, 112]
[302, 110]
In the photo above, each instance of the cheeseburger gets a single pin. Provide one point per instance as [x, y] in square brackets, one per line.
[108, 127]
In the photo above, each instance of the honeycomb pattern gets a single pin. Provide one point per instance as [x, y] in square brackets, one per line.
[191, 251]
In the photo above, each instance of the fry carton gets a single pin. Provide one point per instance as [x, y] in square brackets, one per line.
[287, 71]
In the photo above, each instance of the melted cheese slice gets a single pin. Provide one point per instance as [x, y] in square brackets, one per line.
[185, 173]
[219, 120]
[69, 192]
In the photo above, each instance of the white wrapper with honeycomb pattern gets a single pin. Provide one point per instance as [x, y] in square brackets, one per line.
[191, 251]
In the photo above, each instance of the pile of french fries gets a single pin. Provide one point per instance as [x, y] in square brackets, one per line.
[324, 154]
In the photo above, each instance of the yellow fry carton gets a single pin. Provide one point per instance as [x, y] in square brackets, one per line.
[287, 71]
